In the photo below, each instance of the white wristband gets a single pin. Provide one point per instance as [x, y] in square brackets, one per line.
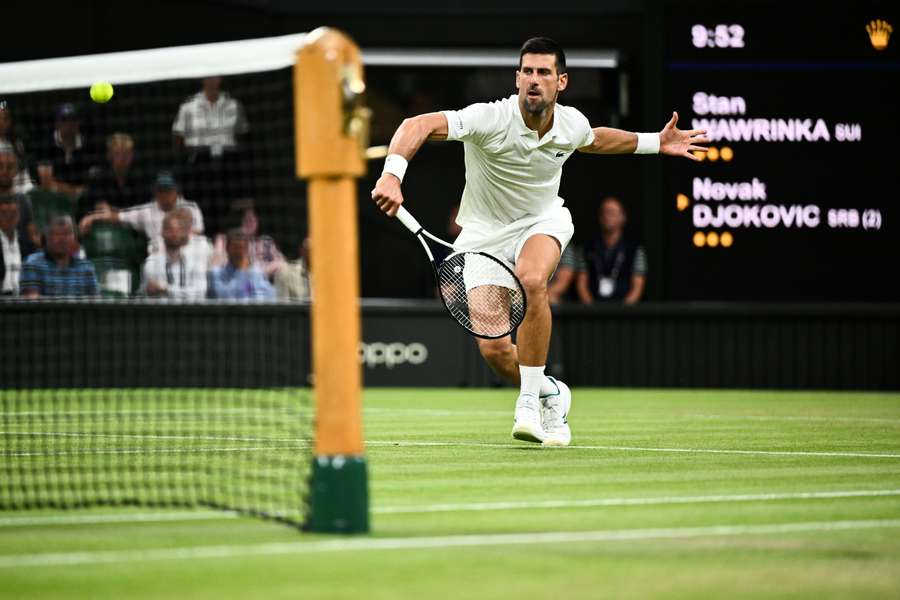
[395, 165]
[648, 143]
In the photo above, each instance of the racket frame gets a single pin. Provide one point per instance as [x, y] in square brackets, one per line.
[423, 235]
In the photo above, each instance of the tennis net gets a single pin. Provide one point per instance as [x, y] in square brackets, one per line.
[132, 403]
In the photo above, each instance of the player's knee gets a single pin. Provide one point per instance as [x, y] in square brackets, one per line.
[535, 284]
[495, 350]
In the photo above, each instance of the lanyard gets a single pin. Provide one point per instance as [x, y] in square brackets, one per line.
[170, 279]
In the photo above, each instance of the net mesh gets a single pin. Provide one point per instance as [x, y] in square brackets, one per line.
[223, 427]
[481, 293]
[147, 402]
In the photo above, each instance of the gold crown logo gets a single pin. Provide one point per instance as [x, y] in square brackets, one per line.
[879, 33]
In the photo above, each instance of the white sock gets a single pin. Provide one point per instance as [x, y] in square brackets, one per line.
[531, 377]
[548, 387]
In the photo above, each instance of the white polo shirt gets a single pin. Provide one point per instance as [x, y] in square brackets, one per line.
[510, 173]
[213, 124]
[149, 217]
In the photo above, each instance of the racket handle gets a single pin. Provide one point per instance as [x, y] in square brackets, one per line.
[408, 220]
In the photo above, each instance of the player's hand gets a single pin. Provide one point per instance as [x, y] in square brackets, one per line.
[387, 194]
[677, 142]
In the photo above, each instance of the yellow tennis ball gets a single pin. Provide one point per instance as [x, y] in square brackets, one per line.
[101, 91]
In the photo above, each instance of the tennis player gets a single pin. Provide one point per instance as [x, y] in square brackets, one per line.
[514, 152]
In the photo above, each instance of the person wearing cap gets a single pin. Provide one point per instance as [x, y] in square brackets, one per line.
[148, 217]
[66, 160]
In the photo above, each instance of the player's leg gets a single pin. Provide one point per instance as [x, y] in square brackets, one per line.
[534, 265]
[502, 357]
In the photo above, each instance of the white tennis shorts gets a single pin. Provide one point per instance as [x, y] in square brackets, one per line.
[506, 242]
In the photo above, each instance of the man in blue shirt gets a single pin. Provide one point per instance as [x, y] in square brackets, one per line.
[56, 271]
[238, 279]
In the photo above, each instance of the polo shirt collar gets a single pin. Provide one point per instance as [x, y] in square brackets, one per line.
[554, 135]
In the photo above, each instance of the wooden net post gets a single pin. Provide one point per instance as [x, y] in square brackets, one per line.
[331, 135]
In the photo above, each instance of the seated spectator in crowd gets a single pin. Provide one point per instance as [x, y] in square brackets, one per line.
[617, 268]
[563, 283]
[198, 245]
[116, 184]
[66, 159]
[147, 218]
[207, 136]
[175, 272]
[9, 166]
[16, 247]
[57, 270]
[264, 252]
[238, 279]
[292, 281]
[11, 139]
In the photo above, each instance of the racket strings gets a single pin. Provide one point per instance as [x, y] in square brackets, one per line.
[481, 293]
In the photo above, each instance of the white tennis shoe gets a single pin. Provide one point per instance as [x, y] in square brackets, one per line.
[527, 426]
[554, 415]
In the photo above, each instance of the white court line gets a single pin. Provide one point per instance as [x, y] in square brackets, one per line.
[442, 542]
[411, 444]
[434, 508]
[487, 506]
[377, 443]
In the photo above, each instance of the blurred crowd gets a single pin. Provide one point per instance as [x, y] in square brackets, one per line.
[78, 222]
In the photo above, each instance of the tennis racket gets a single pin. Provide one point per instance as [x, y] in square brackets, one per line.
[479, 291]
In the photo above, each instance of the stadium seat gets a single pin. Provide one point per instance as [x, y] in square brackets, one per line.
[117, 253]
[46, 204]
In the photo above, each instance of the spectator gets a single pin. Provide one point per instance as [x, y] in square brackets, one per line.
[292, 281]
[8, 169]
[176, 272]
[16, 247]
[207, 132]
[57, 271]
[11, 139]
[147, 218]
[264, 253]
[563, 283]
[239, 279]
[617, 268]
[115, 184]
[66, 160]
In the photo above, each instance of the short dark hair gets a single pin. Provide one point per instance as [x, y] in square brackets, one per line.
[544, 45]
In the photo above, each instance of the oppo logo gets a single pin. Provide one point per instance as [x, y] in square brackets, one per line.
[392, 354]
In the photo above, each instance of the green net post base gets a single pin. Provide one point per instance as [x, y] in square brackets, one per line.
[339, 495]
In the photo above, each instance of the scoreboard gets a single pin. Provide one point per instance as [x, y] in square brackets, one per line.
[798, 197]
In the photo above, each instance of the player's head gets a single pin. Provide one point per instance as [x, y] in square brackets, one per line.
[541, 75]
[612, 215]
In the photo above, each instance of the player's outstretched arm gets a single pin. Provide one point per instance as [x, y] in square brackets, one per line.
[672, 141]
[407, 140]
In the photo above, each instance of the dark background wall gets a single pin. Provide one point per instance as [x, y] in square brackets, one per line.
[104, 26]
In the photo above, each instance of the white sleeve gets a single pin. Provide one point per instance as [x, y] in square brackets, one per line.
[586, 132]
[150, 272]
[197, 225]
[180, 124]
[133, 217]
[475, 122]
